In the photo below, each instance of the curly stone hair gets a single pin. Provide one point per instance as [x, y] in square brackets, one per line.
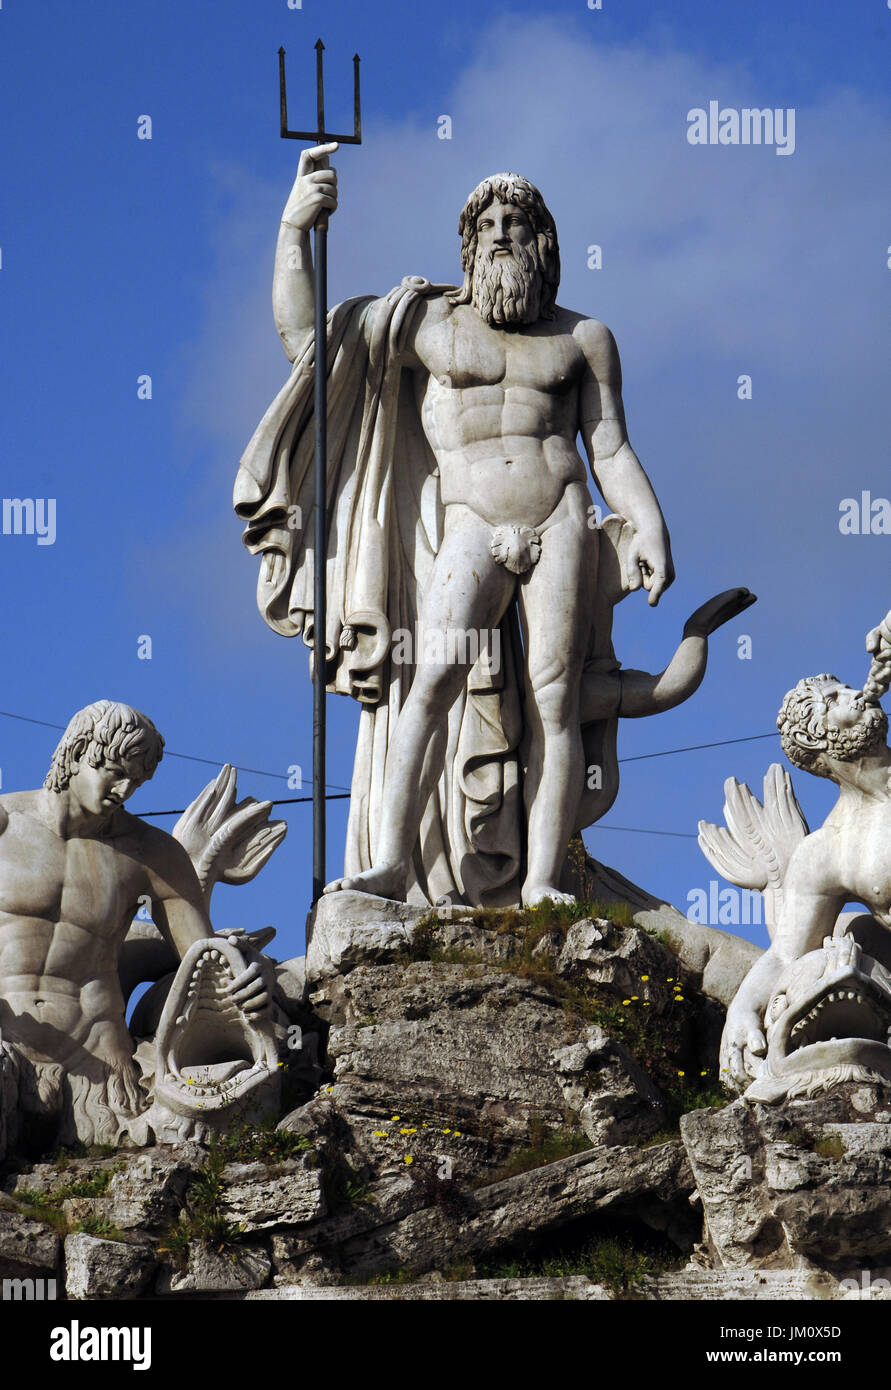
[105, 732]
[511, 188]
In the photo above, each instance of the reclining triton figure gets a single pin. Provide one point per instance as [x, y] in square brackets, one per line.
[74, 865]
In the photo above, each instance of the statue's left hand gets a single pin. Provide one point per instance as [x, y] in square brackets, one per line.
[249, 989]
[648, 562]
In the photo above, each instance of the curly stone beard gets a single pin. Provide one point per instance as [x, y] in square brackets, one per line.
[507, 290]
[861, 739]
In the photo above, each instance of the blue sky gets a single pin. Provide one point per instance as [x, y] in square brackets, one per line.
[122, 257]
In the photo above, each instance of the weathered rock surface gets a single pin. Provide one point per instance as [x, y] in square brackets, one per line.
[99, 1268]
[25, 1245]
[259, 1196]
[212, 1271]
[475, 1089]
[805, 1183]
[461, 1043]
[717, 961]
[612, 1096]
[649, 1186]
[348, 929]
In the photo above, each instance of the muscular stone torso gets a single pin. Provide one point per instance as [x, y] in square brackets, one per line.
[500, 410]
[858, 854]
[65, 907]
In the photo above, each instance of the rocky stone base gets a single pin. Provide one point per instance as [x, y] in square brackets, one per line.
[804, 1183]
[493, 1113]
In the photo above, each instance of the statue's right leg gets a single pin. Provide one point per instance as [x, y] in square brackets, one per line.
[468, 592]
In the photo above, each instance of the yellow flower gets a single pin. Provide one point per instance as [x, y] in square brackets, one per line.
[668, 979]
[680, 1073]
[635, 996]
[625, 1001]
[644, 977]
[646, 1003]
[408, 1131]
[703, 1073]
[457, 1134]
[394, 1118]
[190, 1081]
[329, 1089]
[407, 1158]
[423, 1124]
[447, 1131]
[679, 998]
[381, 1134]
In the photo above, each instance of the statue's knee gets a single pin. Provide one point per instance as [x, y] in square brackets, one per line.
[434, 682]
[556, 698]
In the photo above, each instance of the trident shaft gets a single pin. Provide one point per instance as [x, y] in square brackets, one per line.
[320, 136]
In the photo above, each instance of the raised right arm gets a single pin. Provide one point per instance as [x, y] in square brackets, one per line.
[293, 300]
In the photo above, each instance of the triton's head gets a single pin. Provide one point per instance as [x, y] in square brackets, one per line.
[110, 749]
[509, 252]
[821, 716]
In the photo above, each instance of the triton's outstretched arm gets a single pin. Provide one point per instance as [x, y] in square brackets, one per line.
[639, 693]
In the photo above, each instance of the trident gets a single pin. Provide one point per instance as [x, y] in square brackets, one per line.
[320, 136]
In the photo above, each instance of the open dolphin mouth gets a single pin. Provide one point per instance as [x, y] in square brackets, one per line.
[829, 1020]
[853, 1009]
[210, 1052]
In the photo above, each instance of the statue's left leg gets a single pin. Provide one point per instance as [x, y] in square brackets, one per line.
[556, 604]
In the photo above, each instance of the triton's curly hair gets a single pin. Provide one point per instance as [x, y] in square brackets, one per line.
[104, 732]
[803, 711]
[511, 188]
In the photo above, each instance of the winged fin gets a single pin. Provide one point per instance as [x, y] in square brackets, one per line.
[755, 848]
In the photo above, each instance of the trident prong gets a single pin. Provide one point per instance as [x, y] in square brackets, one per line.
[320, 135]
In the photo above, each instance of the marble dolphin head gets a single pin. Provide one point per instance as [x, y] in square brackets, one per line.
[214, 1062]
[827, 1021]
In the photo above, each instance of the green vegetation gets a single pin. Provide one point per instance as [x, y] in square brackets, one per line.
[344, 1187]
[826, 1145]
[92, 1185]
[202, 1220]
[830, 1146]
[531, 925]
[99, 1226]
[65, 1156]
[545, 1146]
[655, 1027]
[47, 1206]
[258, 1143]
[686, 1096]
[617, 1262]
